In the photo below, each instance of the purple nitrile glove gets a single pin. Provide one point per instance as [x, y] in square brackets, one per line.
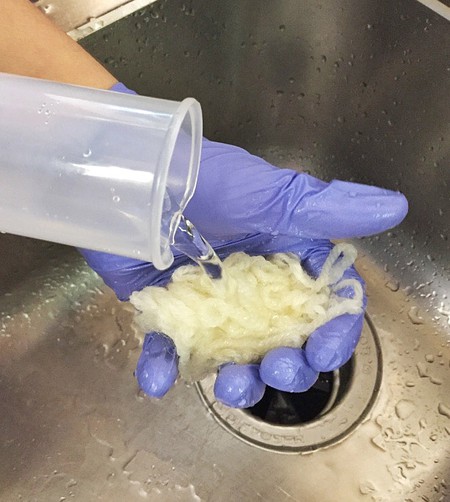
[242, 203]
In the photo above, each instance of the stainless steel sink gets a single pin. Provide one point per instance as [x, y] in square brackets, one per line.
[356, 90]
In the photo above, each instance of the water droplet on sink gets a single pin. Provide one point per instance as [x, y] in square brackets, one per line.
[422, 370]
[444, 410]
[87, 153]
[367, 487]
[393, 285]
[404, 408]
[408, 290]
[414, 317]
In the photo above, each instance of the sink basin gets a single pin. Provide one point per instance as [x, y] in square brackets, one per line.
[354, 90]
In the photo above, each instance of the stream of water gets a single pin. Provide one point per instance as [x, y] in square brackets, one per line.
[190, 242]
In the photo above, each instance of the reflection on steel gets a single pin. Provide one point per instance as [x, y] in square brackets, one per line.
[438, 7]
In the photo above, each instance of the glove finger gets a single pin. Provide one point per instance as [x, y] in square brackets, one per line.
[239, 385]
[287, 369]
[332, 345]
[157, 368]
[345, 210]
[257, 197]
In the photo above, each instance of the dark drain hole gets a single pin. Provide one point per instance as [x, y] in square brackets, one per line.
[286, 408]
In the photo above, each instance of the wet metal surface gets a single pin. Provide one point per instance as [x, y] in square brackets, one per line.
[353, 90]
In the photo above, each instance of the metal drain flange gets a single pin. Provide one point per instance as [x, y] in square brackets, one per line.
[356, 393]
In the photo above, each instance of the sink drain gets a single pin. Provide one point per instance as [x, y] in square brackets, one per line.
[300, 423]
[287, 408]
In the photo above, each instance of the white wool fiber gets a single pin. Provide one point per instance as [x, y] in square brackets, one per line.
[259, 304]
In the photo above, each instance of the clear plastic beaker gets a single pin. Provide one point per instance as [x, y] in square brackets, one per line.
[96, 169]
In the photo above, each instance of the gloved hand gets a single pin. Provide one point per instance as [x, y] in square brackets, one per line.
[242, 203]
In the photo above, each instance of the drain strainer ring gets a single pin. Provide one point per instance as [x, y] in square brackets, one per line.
[341, 418]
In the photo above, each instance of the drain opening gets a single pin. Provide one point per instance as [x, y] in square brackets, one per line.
[287, 408]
